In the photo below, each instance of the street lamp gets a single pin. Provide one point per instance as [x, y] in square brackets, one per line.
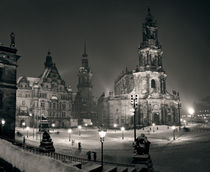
[31, 115]
[2, 125]
[86, 126]
[3, 122]
[173, 128]
[23, 124]
[102, 134]
[191, 112]
[153, 126]
[79, 128]
[134, 103]
[53, 126]
[27, 128]
[69, 131]
[115, 126]
[185, 123]
[122, 129]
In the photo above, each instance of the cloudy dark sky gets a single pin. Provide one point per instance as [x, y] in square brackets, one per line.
[113, 30]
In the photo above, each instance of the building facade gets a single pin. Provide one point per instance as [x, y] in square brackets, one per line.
[148, 82]
[8, 68]
[84, 105]
[44, 97]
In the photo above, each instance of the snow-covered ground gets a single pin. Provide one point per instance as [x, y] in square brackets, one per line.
[167, 154]
[29, 162]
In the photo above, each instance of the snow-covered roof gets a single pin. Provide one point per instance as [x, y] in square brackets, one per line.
[54, 98]
[31, 80]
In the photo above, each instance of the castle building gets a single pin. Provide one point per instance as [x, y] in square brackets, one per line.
[84, 106]
[148, 82]
[44, 97]
[8, 68]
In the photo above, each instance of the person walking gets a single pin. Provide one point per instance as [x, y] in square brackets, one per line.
[79, 146]
[89, 155]
[94, 156]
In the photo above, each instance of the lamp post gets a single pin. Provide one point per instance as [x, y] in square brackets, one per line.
[86, 126]
[191, 112]
[173, 128]
[102, 134]
[153, 127]
[134, 102]
[2, 125]
[122, 129]
[31, 115]
[23, 124]
[53, 126]
[115, 126]
[27, 128]
[3, 122]
[184, 123]
[69, 131]
[79, 128]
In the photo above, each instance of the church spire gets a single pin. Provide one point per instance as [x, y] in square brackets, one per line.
[84, 58]
[150, 32]
[48, 62]
[148, 58]
[84, 54]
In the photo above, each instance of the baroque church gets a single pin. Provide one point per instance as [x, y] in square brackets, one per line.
[148, 82]
[84, 106]
[44, 97]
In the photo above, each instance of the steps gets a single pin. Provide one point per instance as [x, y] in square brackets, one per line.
[93, 167]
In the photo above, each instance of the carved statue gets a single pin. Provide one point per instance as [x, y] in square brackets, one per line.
[141, 145]
[12, 40]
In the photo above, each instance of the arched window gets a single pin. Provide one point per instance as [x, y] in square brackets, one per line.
[153, 84]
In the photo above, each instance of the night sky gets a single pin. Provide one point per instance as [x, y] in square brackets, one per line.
[113, 30]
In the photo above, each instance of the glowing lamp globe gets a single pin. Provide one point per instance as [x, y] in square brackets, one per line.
[191, 111]
[102, 133]
[122, 128]
[69, 130]
[3, 122]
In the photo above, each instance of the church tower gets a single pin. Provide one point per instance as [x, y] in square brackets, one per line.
[147, 82]
[83, 104]
[8, 70]
[150, 52]
[84, 85]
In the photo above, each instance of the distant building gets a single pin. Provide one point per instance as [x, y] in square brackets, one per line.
[202, 111]
[44, 97]
[148, 82]
[84, 105]
[8, 68]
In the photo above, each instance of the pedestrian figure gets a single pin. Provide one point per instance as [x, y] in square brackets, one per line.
[72, 142]
[24, 140]
[94, 156]
[89, 155]
[150, 129]
[79, 146]
[157, 128]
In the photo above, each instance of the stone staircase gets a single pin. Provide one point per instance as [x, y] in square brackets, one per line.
[93, 167]
[143, 163]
